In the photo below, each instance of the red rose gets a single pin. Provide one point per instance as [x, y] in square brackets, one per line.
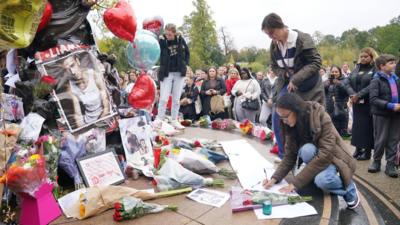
[197, 144]
[48, 80]
[117, 216]
[117, 206]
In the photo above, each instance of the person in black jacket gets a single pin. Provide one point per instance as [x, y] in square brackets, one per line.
[357, 85]
[267, 89]
[173, 61]
[385, 105]
[188, 99]
[336, 100]
[211, 87]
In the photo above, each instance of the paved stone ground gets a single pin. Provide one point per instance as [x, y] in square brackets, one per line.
[376, 208]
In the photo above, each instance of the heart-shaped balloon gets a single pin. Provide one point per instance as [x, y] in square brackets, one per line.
[46, 17]
[154, 24]
[143, 93]
[19, 22]
[121, 20]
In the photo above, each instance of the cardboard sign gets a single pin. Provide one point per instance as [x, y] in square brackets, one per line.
[101, 169]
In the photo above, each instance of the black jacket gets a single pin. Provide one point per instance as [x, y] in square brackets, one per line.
[191, 93]
[205, 99]
[336, 97]
[267, 89]
[183, 56]
[358, 81]
[380, 95]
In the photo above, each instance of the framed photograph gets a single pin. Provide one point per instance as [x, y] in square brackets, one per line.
[101, 169]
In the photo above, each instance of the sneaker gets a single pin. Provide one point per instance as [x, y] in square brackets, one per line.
[177, 125]
[353, 204]
[374, 167]
[391, 171]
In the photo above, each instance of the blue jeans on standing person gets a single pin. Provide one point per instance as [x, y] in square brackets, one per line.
[328, 180]
[171, 85]
[276, 125]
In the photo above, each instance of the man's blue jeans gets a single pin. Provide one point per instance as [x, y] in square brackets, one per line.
[276, 125]
[328, 179]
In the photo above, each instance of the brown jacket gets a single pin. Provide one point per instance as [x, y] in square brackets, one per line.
[307, 63]
[331, 150]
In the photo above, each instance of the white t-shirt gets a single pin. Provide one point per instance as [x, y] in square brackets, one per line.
[90, 97]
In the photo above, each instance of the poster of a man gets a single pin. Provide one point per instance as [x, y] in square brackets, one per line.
[136, 140]
[81, 92]
[87, 88]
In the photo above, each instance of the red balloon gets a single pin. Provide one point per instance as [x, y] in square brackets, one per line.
[154, 24]
[121, 20]
[143, 93]
[46, 17]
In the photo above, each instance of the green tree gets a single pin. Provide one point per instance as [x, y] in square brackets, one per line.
[117, 47]
[201, 31]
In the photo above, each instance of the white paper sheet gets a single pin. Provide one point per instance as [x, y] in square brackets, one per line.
[250, 166]
[31, 126]
[287, 211]
[209, 197]
[68, 202]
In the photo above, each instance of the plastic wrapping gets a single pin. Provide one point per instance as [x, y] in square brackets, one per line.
[71, 150]
[27, 174]
[131, 208]
[19, 22]
[193, 161]
[213, 156]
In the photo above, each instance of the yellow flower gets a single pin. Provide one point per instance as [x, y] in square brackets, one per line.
[34, 157]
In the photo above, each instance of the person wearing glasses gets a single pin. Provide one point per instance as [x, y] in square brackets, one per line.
[310, 137]
[296, 62]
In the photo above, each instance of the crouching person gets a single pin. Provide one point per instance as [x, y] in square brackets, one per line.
[310, 136]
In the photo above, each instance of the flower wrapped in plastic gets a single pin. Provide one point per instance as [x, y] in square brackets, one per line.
[197, 163]
[225, 124]
[49, 147]
[26, 175]
[205, 121]
[186, 123]
[263, 133]
[173, 175]
[131, 208]
[246, 127]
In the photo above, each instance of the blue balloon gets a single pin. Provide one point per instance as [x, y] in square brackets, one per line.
[144, 52]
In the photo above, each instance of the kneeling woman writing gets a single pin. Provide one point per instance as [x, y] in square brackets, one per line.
[310, 136]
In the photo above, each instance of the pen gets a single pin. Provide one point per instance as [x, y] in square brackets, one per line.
[265, 172]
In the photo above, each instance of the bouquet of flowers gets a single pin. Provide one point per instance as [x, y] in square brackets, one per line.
[204, 121]
[186, 123]
[173, 175]
[49, 147]
[226, 124]
[161, 140]
[131, 208]
[263, 133]
[26, 174]
[246, 127]
[197, 163]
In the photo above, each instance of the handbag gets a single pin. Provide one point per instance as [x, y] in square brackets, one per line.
[227, 100]
[250, 104]
[217, 104]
